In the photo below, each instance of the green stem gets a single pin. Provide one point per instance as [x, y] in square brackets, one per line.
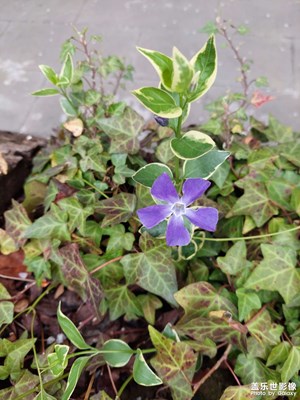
[122, 388]
[34, 350]
[182, 104]
[94, 187]
[233, 239]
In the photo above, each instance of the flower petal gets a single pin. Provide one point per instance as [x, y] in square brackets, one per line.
[177, 234]
[153, 215]
[205, 218]
[163, 189]
[193, 188]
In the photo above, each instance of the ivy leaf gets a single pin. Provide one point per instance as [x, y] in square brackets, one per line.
[254, 202]
[6, 307]
[77, 276]
[291, 365]
[152, 269]
[237, 393]
[276, 272]
[247, 301]
[149, 304]
[116, 209]
[251, 369]
[199, 299]
[175, 363]
[7, 244]
[121, 301]
[235, 260]
[16, 222]
[76, 213]
[264, 330]
[123, 131]
[278, 354]
[119, 238]
[278, 132]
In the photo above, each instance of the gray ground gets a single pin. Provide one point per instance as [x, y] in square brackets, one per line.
[31, 32]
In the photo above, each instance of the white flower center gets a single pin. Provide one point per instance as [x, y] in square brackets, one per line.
[178, 209]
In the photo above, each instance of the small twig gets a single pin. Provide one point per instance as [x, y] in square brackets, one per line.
[112, 381]
[89, 389]
[105, 264]
[213, 369]
[259, 312]
[232, 372]
[14, 278]
[119, 78]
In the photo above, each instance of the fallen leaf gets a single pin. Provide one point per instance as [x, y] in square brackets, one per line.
[74, 126]
[3, 165]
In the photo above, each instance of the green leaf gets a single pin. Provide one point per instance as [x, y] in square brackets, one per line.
[58, 361]
[158, 102]
[147, 174]
[182, 72]
[278, 354]
[74, 375]
[46, 92]
[142, 373]
[6, 307]
[199, 299]
[175, 363]
[254, 202]
[66, 72]
[77, 276]
[205, 166]
[295, 200]
[235, 260]
[210, 28]
[191, 145]
[43, 395]
[39, 266]
[71, 331]
[92, 160]
[152, 269]
[116, 209]
[264, 330]
[251, 369]
[67, 107]
[162, 64]
[278, 132]
[17, 222]
[237, 393]
[119, 238]
[7, 244]
[276, 272]
[116, 352]
[247, 301]
[49, 73]
[149, 304]
[205, 61]
[291, 365]
[123, 131]
[76, 213]
[121, 301]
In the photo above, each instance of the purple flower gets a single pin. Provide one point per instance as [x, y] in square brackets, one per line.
[176, 209]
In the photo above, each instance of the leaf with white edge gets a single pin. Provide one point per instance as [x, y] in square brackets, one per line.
[237, 393]
[278, 354]
[147, 174]
[247, 301]
[191, 145]
[67, 107]
[182, 72]
[17, 222]
[67, 69]
[58, 360]
[74, 376]
[158, 102]
[142, 373]
[235, 260]
[276, 272]
[6, 307]
[70, 330]
[49, 73]
[116, 352]
[205, 61]
[200, 298]
[7, 244]
[152, 269]
[46, 92]
[123, 131]
[206, 165]
[162, 64]
[76, 212]
[78, 277]
[292, 364]
[175, 364]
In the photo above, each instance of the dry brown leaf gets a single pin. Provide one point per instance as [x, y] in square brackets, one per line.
[75, 126]
[3, 165]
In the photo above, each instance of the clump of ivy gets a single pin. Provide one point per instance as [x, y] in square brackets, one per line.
[234, 293]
